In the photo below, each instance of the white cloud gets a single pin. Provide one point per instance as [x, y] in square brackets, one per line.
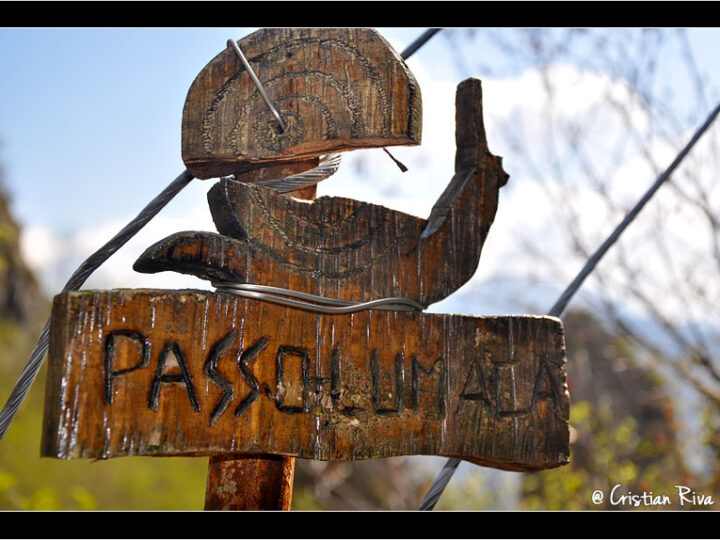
[40, 248]
[53, 257]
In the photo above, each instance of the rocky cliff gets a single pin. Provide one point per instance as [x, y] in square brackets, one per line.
[20, 298]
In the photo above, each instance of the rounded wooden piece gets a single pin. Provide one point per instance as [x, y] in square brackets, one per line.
[337, 89]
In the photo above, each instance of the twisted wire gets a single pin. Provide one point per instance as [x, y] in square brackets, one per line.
[421, 40]
[327, 167]
[443, 478]
[76, 281]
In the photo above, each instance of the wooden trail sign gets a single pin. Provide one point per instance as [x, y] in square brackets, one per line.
[199, 373]
[253, 384]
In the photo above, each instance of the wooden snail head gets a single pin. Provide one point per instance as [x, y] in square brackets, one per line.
[337, 89]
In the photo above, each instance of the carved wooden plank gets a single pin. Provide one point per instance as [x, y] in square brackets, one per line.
[206, 255]
[336, 89]
[147, 372]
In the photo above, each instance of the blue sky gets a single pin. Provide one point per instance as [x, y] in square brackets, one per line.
[90, 121]
[94, 115]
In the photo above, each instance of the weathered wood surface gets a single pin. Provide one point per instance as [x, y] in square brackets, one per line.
[337, 89]
[252, 482]
[345, 248]
[148, 372]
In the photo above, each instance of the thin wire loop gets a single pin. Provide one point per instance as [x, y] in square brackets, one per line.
[443, 478]
[322, 304]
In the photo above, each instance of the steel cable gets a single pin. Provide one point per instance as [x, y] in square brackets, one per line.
[327, 167]
[419, 42]
[443, 478]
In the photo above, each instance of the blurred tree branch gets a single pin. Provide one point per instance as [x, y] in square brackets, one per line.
[665, 270]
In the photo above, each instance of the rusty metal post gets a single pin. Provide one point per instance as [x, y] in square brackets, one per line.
[242, 482]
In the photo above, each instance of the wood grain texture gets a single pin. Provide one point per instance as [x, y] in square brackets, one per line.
[337, 89]
[345, 248]
[265, 482]
[149, 372]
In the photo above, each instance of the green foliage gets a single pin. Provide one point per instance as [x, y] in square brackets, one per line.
[470, 492]
[28, 482]
[8, 235]
[610, 451]
[304, 499]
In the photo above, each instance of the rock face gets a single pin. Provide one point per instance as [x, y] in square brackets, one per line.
[20, 298]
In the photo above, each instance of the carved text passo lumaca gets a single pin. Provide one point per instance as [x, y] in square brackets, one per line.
[383, 388]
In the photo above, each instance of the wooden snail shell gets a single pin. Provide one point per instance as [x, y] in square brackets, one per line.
[336, 89]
